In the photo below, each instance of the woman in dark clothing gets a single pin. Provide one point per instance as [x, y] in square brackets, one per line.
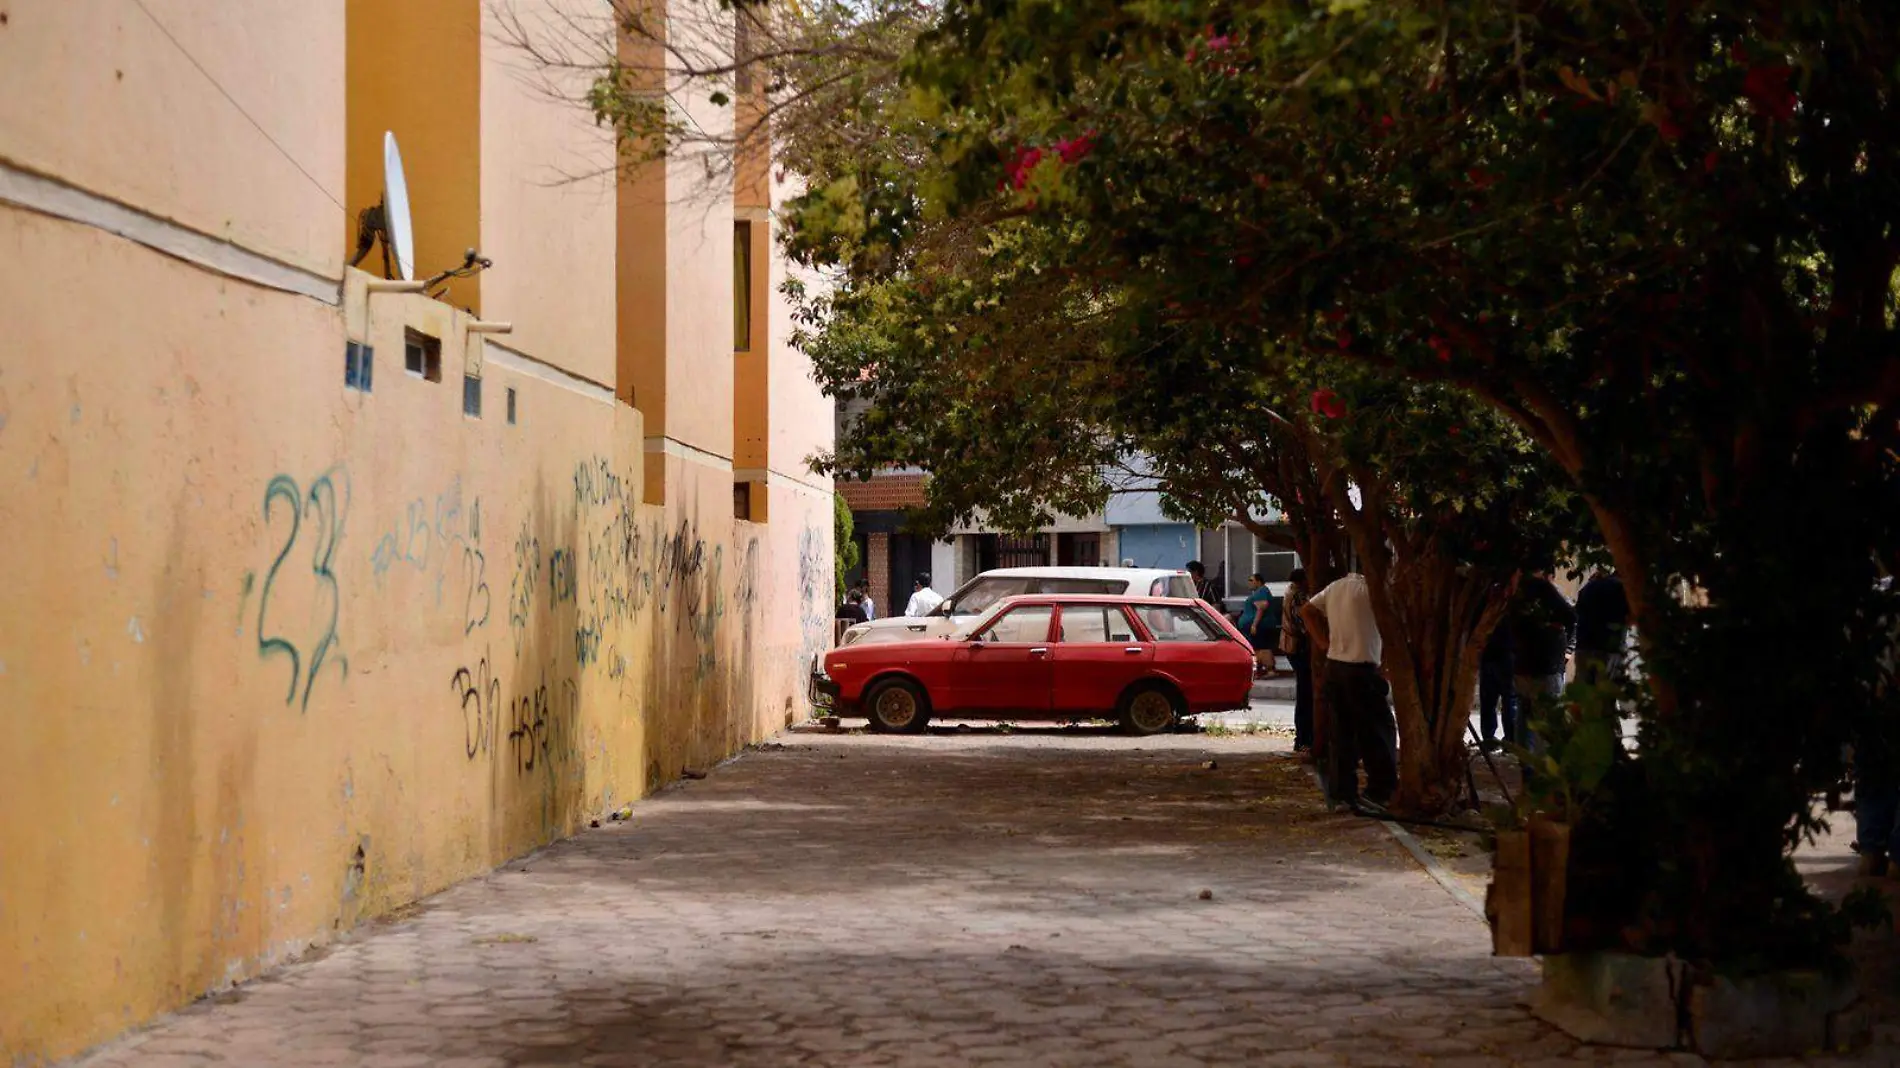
[1298, 652]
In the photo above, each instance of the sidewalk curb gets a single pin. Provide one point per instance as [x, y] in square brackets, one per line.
[1424, 857]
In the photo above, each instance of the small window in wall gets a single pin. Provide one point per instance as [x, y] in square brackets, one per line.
[511, 406]
[472, 396]
[742, 500]
[422, 355]
[741, 287]
[359, 366]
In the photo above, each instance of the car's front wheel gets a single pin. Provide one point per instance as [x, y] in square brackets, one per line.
[1149, 709]
[897, 705]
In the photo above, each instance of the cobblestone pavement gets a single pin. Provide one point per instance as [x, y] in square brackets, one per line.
[979, 898]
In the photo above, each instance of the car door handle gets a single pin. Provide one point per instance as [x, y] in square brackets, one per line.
[1038, 652]
[1133, 650]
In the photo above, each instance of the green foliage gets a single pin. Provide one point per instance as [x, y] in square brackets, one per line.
[1658, 239]
[845, 542]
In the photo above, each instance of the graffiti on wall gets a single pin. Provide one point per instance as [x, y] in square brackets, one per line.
[432, 534]
[521, 587]
[311, 521]
[480, 692]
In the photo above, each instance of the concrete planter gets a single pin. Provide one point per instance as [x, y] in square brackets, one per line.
[1619, 999]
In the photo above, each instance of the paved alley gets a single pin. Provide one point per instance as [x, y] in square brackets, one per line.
[964, 898]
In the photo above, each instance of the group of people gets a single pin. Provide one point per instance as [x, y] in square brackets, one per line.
[1528, 652]
[858, 607]
[1525, 658]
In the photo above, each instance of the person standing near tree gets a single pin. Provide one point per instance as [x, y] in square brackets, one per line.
[1543, 624]
[1339, 621]
[869, 606]
[1298, 649]
[1204, 588]
[1603, 615]
[1260, 622]
[1497, 691]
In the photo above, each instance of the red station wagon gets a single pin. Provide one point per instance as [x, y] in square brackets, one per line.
[1149, 661]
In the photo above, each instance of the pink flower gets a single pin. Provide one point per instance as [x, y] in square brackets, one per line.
[1074, 149]
[1023, 166]
[1327, 403]
[1217, 42]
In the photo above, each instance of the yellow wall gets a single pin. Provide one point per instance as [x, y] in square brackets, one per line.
[91, 91]
[548, 197]
[258, 622]
[415, 69]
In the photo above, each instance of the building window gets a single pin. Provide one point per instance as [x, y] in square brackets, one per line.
[1248, 555]
[472, 396]
[359, 366]
[742, 500]
[742, 287]
[511, 406]
[422, 355]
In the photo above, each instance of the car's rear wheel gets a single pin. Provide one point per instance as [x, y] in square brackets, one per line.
[897, 705]
[1149, 709]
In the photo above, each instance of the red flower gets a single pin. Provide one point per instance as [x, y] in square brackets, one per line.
[1344, 340]
[1709, 161]
[1075, 149]
[1336, 315]
[1455, 431]
[1670, 129]
[1480, 179]
[1768, 88]
[1023, 166]
[1327, 403]
[1441, 349]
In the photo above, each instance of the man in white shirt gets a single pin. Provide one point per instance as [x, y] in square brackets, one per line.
[925, 600]
[1340, 624]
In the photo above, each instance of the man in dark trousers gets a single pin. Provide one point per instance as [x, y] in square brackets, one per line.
[1497, 690]
[1542, 625]
[1339, 623]
[1603, 616]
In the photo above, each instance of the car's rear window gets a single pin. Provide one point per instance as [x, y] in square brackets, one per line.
[1172, 623]
[1181, 586]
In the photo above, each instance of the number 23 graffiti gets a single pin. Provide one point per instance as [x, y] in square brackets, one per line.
[329, 511]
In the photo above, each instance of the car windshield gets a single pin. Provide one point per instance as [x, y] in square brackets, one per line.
[982, 593]
[962, 633]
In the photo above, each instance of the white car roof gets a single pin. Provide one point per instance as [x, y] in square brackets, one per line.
[1132, 574]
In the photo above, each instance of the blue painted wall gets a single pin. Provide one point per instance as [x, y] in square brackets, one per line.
[1158, 544]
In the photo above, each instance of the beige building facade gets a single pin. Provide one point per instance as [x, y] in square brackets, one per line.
[321, 597]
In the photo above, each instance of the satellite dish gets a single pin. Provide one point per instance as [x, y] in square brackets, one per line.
[400, 235]
[388, 220]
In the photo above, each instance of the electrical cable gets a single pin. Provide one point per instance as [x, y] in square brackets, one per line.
[193, 60]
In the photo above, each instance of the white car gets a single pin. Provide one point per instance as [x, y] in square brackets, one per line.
[975, 596]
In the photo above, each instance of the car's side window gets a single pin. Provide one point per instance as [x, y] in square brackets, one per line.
[1095, 623]
[1159, 589]
[1172, 623]
[1030, 623]
[1183, 587]
[986, 592]
[1077, 585]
